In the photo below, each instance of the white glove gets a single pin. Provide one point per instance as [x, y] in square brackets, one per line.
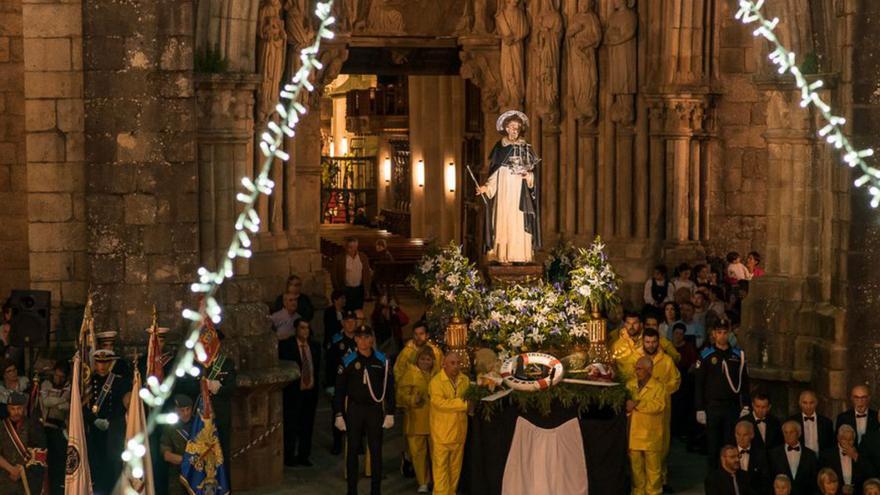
[389, 422]
[701, 417]
[102, 424]
[214, 386]
[745, 411]
[339, 423]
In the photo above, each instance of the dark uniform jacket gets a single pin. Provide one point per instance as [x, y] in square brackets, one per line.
[824, 430]
[32, 437]
[340, 346]
[758, 471]
[106, 446]
[352, 389]
[720, 482]
[174, 440]
[712, 387]
[804, 481]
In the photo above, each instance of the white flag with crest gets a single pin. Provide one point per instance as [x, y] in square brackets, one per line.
[133, 480]
[78, 480]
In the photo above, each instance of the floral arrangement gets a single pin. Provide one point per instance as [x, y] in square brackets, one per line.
[560, 262]
[521, 319]
[593, 280]
[450, 282]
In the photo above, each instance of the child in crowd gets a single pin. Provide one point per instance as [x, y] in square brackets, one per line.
[736, 270]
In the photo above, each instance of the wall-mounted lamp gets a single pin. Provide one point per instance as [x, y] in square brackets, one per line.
[343, 146]
[332, 146]
[420, 173]
[386, 170]
[450, 176]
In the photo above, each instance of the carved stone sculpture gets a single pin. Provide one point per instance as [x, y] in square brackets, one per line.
[297, 24]
[270, 64]
[480, 17]
[584, 36]
[620, 37]
[384, 18]
[513, 27]
[353, 16]
[549, 38]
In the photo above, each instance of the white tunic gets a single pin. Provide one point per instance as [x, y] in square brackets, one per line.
[512, 242]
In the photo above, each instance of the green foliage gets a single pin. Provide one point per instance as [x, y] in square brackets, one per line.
[210, 61]
[585, 397]
[810, 65]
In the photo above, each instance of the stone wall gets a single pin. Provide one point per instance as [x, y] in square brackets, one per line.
[141, 177]
[13, 181]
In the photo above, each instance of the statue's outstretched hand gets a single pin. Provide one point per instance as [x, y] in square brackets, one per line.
[482, 190]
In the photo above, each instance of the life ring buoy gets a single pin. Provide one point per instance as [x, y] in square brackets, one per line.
[508, 370]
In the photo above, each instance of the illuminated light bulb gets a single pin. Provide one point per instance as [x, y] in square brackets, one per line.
[420, 173]
[450, 176]
[386, 169]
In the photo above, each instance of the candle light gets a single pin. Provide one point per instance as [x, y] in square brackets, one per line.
[450, 176]
[386, 169]
[420, 173]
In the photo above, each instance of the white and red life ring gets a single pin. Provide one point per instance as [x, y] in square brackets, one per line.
[554, 378]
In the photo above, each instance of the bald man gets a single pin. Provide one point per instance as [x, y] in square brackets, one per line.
[860, 416]
[646, 414]
[752, 459]
[818, 430]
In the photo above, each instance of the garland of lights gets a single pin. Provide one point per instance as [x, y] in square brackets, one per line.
[750, 12]
[155, 393]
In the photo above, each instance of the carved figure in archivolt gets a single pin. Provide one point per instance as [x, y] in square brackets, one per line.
[513, 27]
[549, 38]
[620, 36]
[385, 18]
[299, 29]
[584, 36]
[354, 15]
[270, 64]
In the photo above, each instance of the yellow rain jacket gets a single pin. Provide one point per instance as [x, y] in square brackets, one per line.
[627, 350]
[448, 408]
[414, 399]
[646, 420]
[408, 356]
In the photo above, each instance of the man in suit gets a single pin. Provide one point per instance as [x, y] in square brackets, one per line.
[862, 418]
[352, 274]
[752, 459]
[333, 315]
[728, 479]
[768, 431]
[851, 467]
[300, 397]
[795, 461]
[818, 430]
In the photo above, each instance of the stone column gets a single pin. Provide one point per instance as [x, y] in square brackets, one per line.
[225, 131]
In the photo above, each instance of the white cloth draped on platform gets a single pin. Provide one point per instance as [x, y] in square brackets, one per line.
[546, 460]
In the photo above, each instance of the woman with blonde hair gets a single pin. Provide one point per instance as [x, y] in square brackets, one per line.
[413, 397]
[828, 482]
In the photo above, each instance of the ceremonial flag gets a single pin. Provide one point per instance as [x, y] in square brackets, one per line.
[78, 480]
[86, 348]
[202, 469]
[136, 424]
[155, 366]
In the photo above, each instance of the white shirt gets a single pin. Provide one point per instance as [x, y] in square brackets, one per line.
[811, 432]
[743, 459]
[354, 270]
[861, 425]
[794, 459]
[762, 427]
[283, 321]
[845, 467]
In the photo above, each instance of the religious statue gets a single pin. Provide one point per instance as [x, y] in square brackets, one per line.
[353, 16]
[513, 217]
[621, 40]
[271, 59]
[549, 46]
[298, 24]
[584, 36]
[513, 27]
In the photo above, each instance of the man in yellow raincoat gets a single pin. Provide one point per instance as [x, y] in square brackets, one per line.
[646, 412]
[413, 397]
[666, 373]
[626, 345]
[448, 424]
[411, 350]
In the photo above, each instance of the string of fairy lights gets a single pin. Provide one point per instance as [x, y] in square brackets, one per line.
[155, 393]
[750, 12]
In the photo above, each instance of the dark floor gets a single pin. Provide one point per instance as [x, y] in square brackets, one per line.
[686, 470]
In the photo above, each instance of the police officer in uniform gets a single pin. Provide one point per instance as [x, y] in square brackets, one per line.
[341, 344]
[104, 416]
[722, 390]
[364, 403]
